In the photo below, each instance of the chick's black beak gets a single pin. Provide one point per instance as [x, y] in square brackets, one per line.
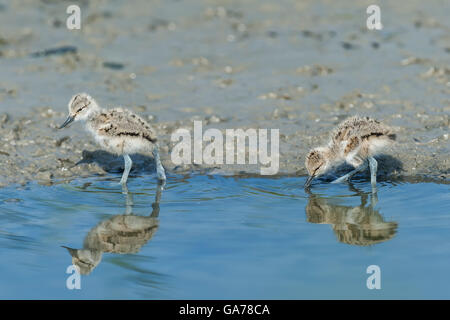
[68, 120]
[308, 182]
[73, 252]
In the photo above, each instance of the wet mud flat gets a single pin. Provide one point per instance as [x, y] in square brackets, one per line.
[297, 67]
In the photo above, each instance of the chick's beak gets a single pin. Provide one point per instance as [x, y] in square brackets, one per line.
[308, 182]
[68, 120]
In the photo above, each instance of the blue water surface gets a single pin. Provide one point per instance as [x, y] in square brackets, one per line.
[213, 237]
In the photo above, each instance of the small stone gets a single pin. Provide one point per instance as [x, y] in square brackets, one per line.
[59, 142]
[140, 108]
[44, 176]
[214, 119]
[347, 45]
[4, 118]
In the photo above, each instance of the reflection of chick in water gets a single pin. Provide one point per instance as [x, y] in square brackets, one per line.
[361, 225]
[124, 233]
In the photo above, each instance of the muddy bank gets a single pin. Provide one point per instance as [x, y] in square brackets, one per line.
[34, 149]
[299, 68]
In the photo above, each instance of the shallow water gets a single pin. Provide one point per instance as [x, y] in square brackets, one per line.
[218, 237]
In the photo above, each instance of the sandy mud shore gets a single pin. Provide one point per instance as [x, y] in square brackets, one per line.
[297, 67]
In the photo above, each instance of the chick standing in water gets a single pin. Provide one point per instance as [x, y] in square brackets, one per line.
[355, 141]
[118, 131]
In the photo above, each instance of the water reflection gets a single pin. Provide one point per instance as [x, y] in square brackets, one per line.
[122, 233]
[359, 225]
